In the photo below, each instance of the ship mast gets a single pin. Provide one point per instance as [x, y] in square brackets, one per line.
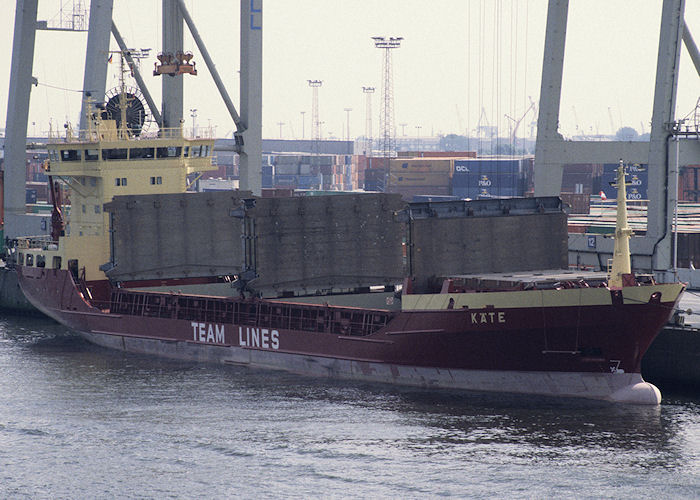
[123, 99]
[621, 262]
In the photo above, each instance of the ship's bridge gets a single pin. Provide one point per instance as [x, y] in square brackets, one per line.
[96, 152]
[99, 164]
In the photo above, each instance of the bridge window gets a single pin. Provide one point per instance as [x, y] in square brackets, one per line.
[196, 151]
[40, 261]
[187, 151]
[91, 154]
[30, 260]
[169, 152]
[137, 153]
[156, 180]
[114, 154]
[56, 262]
[120, 181]
[70, 154]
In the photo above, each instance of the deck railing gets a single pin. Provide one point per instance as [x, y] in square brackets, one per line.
[255, 313]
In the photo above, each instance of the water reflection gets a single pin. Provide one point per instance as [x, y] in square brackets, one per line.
[239, 413]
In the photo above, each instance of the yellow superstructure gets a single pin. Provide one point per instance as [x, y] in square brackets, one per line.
[97, 165]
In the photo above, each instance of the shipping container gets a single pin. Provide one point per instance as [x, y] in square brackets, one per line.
[689, 183]
[308, 182]
[579, 203]
[30, 196]
[286, 180]
[487, 180]
[277, 193]
[490, 166]
[460, 192]
[437, 154]
[286, 169]
[287, 160]
[419, 179]
[323, 160]
[637, 178]
[41, 188]
[421, 165]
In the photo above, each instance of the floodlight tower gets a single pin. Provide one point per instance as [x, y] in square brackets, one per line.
[315, 123]
[387, 141]
[347, 113]
[368, 119]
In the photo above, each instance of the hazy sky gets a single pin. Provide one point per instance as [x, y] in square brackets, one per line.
[460, 60]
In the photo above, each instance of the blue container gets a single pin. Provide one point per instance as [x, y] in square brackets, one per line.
[285, 180]
[460, 192]
[266, 181]
[637, 177]
[499, 166]
[461, 180]
[488, 166]
[374, 186]
[463, 167]
[31, 196]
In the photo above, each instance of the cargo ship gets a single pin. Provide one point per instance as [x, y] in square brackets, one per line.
[558, 335]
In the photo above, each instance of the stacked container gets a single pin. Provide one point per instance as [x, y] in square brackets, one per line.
[583, 178]
[420, 176]
[267, 175]
[484, 178]
[689, 183]
[375, 179]
[637, 178]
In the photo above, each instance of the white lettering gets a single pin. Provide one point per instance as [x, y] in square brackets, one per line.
[220, 338]
[256, 337]
[195, 325]
[210, 334]
[488, 317]
[241, 342]
[265, 339]
[274, 336]
[202, 332]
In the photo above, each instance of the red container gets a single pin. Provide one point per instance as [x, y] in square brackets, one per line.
[277, 192]
[579, 203]
[689, 183]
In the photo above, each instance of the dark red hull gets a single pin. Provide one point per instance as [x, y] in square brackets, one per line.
[600, 340]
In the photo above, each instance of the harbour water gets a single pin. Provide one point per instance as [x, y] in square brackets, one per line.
[78, 421]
